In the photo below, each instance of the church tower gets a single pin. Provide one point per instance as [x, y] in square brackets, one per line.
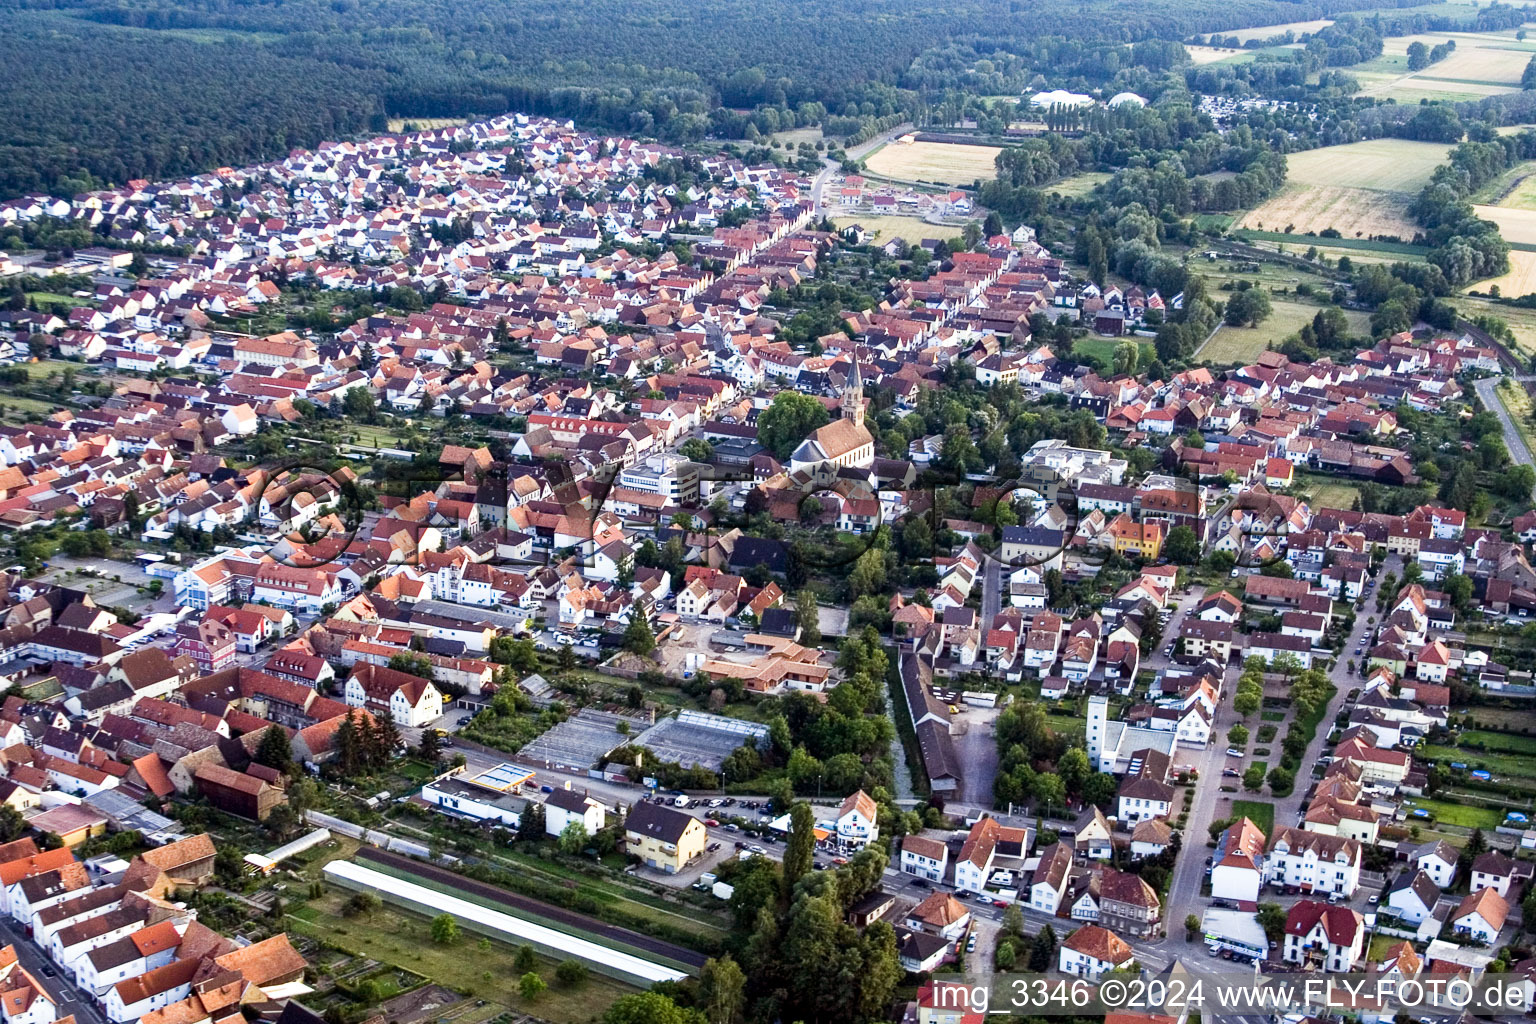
[853, 396]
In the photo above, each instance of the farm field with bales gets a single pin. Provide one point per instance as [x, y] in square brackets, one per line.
[946, 162]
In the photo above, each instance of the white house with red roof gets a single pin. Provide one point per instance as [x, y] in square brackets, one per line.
[857, 820]
[1323, 937]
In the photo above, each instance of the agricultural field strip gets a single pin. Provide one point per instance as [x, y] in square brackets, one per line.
[355, 876]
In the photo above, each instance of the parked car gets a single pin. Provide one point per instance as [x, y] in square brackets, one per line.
[711, 822]
[921, 883]
[1234, 752]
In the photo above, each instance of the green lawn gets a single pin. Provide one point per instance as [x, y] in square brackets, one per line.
[45, 367]
[1392, 248]
[1245, 344]
[1079, 184]
[1260, 812]
[31, 405]
[1103, 350]
[1326, 492]
[1459, 814]
[476, 969]
[45, 299]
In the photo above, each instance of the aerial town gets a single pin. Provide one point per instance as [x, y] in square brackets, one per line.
[514, 571]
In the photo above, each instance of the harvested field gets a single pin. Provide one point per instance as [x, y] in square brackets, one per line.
[1212, 54]
[1515, 225]
[1483, 64]
[1497, 60]
[1521, 279]
[946, 162]
[1265, 31]
[1354, 212]
[913, 229]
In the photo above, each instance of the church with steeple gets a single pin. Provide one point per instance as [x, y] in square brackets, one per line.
[843, 442]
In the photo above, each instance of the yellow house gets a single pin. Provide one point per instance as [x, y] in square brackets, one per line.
[1137, 540]
[665, 839]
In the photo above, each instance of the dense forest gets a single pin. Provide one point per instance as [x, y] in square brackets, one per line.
[104, 90]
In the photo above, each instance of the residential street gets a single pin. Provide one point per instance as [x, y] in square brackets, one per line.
[65, 995]
[1210, 804]
[856, 153]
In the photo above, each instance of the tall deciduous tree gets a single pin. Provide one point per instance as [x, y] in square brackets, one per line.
[785, 423]
[801, 850]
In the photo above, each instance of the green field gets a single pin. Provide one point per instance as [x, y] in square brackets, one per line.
[57, 298]
[475, 969]
[1366, 246]
[30, 405]
[1079, 184]
[1499, 764]
[1244, 344]
[1518, 402]
[1389, 165]
[45, 367]
[1522, 322]
[1260, 812]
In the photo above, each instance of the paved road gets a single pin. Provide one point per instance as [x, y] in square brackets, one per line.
[1487, 392]
[991, 591]
[831, 167]
[65, 996]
